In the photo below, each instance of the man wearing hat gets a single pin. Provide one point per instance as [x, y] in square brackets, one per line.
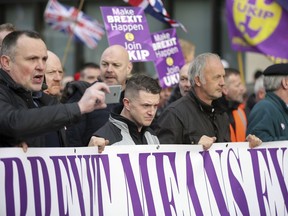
[268, 119]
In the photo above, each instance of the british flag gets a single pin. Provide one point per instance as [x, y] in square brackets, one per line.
[156, 9]
[72, 21]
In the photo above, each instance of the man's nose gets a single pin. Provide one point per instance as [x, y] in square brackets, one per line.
[57, 76]
[41, 65]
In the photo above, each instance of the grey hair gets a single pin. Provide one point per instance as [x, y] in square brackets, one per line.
[259, 84]
[197, 66]
[272, 83]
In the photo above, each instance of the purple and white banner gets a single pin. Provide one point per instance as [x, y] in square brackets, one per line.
[229, 179]
[258, 26]
[127, 26]
[169, 57]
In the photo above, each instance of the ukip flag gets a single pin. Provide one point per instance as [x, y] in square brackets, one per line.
[72, 21]
[258, 26]
[156, 9]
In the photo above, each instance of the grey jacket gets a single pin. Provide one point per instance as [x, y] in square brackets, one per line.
[121, 131]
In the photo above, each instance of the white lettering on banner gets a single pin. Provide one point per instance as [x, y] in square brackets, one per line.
[167, 52]
[124, 19]
[138, 55]
[125, 28]
[171, 180]
[165, 44]
[132, 46]
[122, 11]
[171, 79]
[161, 37]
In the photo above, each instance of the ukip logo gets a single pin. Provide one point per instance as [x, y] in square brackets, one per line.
[256, 19]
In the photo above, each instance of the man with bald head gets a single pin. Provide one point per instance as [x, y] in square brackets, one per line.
[115, 67]
[53, 75]
[5, 29]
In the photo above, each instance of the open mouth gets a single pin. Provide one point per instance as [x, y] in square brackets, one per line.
[38, 79]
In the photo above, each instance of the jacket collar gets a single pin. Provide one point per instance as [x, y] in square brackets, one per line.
[10, 83]
[277, 100]
[115, 113]
[215, 107]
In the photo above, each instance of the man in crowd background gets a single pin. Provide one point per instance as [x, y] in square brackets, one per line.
[233, 97]
[53, 75]
[184, 82]
[5, 29]
[90, 72]
[269, 117]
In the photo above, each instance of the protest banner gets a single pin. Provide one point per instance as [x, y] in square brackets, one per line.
[229, 179]
[169, 56]
[258, 26]
[127, 26]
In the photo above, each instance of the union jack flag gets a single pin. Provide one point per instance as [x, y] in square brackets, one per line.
[72, 21]
[156, 9]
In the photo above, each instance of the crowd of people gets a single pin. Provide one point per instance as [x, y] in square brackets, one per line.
[207, 106]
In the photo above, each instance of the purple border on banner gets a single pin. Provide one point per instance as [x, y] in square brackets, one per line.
[169, 56]
[258, 26]
[127, 26]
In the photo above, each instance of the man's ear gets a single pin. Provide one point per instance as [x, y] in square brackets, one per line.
[126, 103]
[284, 83]
[197, 81]
[129, 68]
[5, 62]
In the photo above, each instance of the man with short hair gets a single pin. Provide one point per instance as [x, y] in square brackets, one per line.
[27, 115]
[130, 125]
[184, 83]
[269, 117]
[233, 97]
[53, 75]
[90, 72]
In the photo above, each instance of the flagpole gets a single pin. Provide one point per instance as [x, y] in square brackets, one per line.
[68, 45]
[240, 66]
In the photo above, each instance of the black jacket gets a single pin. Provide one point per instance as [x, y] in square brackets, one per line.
[186, 120]
[22, 121]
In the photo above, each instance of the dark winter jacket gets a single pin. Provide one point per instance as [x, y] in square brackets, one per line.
[268, 119]
[26, 118]
[186, 120]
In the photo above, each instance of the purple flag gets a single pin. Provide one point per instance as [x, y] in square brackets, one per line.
[169, 57]
[127, 26]
[258, 26]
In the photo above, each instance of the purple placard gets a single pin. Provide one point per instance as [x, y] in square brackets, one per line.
[127, 26]
[169, 57]
[258, 26]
